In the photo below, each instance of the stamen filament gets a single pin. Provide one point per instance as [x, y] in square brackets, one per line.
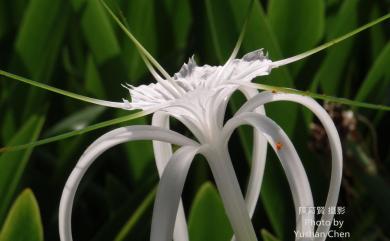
[295, 58]
[119, 105]
[141, 48]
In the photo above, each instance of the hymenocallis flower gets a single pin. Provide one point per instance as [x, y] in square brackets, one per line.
[197, 96]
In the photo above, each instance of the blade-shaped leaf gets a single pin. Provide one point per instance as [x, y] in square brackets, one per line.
[377, 33]
[220, 19]
[208, 220]
[139, 154]
[378, 77]
[141, 19]
[13, 164]
[24, 220]
[259, 34]
[181, 18]
[93, 83]
[12, 148]
[38, 43]
[298, 27]
[8, 125]
[76, 121]
[267, 236]
[99, 32]
[3, 20]
[133, 219]
[37, 33]
[330, 73]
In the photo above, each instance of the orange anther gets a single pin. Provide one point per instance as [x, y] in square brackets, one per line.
[273, 91]
[279, 146]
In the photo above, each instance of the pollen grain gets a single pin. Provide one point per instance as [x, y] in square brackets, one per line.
[278, 146]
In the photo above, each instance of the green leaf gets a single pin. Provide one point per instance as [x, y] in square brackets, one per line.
[24, 220]
[267, 236]
[77, 4]
[259, 34]
[116, 192]
[14, 147]
[220, 19]
[36, 39]
[99, 32]
[93, 83]
[38, 43]
[139, 212]
[76, 121]
[377, 78]
[330, 73]
[298, 27]
[139, 154]
[13, 164]
[208, 220]
[3, 20]
[377, 33]
[146, 56]
[8, 125]
[141, 19]
[181, 18]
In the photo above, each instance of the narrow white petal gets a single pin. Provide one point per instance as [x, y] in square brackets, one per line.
[221, 166]
[291, 163]
[162, 154]
[333, 137]
[259, 151]
[105, 142]
[259, 156]
[170, 188]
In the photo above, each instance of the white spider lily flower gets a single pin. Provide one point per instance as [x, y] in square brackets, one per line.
[197, 96]
[195, 89]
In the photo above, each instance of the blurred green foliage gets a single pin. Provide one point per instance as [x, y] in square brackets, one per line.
[75, 45]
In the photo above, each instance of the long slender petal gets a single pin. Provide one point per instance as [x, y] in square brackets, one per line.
[167, 201]
[103, 143]
[259, 156]
[221, 166]
[295, 172]
[162, 154]
[333, 137]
